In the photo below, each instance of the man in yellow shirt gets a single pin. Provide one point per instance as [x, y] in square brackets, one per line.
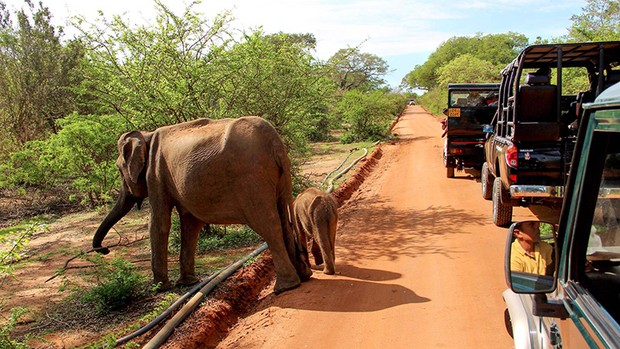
[528, 253]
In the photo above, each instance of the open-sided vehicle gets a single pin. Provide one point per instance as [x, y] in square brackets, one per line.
[576, 302]
[470, 106]
[528, 153]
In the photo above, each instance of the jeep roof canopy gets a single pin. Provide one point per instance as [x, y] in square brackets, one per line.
[595, 56]
[472, 86]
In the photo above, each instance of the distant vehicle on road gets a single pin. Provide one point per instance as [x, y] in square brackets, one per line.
[470, 106]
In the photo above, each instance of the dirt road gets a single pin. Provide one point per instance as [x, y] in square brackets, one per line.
[419, 263]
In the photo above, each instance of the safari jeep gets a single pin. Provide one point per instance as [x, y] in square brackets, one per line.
[529, 149]
[470, 106]
[576, 302]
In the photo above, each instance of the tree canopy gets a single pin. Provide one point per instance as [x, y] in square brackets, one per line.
[350, 68]
[598, 21]
[495, 49]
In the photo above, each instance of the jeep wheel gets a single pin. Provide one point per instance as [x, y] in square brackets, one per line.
[450, 172]
[487, 182]
[502, 214]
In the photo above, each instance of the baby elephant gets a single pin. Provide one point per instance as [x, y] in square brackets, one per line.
[316, 216]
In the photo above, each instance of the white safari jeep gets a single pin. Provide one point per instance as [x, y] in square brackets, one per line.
[565, 282]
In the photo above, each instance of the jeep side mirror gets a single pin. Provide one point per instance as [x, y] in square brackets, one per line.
[530, 259]
[445, 111]
[487, 128]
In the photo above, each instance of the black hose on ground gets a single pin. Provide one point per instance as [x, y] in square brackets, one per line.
[220, 275]
[330, 187]
[161, 337]
[340, 165]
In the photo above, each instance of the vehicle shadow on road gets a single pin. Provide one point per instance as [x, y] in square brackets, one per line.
[378, 230]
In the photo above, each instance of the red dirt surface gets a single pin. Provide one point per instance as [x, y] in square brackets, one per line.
[419, 264]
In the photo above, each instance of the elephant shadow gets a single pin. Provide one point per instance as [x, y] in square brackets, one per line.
[328, 294]
[356, 272]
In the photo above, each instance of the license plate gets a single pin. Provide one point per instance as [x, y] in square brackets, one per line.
[454, 112]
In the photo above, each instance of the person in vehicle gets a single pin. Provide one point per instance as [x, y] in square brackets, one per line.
[528, 253]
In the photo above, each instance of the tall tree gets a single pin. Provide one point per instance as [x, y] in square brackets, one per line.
[467, 69]
[36, 72]
[350, 68]
[498, 49]
[598, 21]
[156, 74]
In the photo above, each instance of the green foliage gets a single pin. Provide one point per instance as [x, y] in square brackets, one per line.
[118, 284]
[496, 49]
[275, 77]
[6, 341]
[81, 154]
[184, 67]
[14, 244]
[215, 237]
[234, 237]
[367, 116]
[467, 69]
[598, 21]
[434, 100]
[352, 69]
[36, 73]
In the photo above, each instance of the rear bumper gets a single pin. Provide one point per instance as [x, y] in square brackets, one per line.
[536, 191]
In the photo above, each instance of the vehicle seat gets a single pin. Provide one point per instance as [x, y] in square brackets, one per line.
[537, 100]
[536, 113]
[612, 77]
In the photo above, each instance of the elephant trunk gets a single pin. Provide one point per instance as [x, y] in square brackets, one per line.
[121, 208]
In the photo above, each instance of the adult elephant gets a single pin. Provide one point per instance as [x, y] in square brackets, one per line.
[229, 171]
[315, 216]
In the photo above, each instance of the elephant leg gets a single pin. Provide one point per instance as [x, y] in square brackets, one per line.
[268, 226]
[324, 240]
[159, 229]
[190, 231]
[316, 251]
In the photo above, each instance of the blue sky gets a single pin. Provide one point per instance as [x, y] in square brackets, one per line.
[403, 32]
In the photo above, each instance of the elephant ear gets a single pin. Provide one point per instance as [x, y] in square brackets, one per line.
[132, 154]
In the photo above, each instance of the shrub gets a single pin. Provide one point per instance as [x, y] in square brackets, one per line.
[14, 242]
[367, 115]
[118, 284]
[215, 237]
[6, 341]
[81, 154]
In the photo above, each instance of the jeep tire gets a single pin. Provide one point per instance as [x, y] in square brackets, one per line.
[486, 182]
[450, 171]
[502, 214]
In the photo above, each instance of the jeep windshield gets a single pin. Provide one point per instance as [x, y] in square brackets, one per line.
[473, 98]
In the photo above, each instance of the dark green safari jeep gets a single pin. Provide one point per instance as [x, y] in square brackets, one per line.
[470, 106]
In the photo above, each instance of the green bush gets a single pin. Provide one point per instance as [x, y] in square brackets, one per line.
[82, 155]
[118, 284]
[368, 115]
[434, 100]
[215, 237]
[6, 341]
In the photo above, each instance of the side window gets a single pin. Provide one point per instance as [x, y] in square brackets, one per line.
[602, 271]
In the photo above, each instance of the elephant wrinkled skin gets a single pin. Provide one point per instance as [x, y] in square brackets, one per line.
[315, 215]
[229, 171]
